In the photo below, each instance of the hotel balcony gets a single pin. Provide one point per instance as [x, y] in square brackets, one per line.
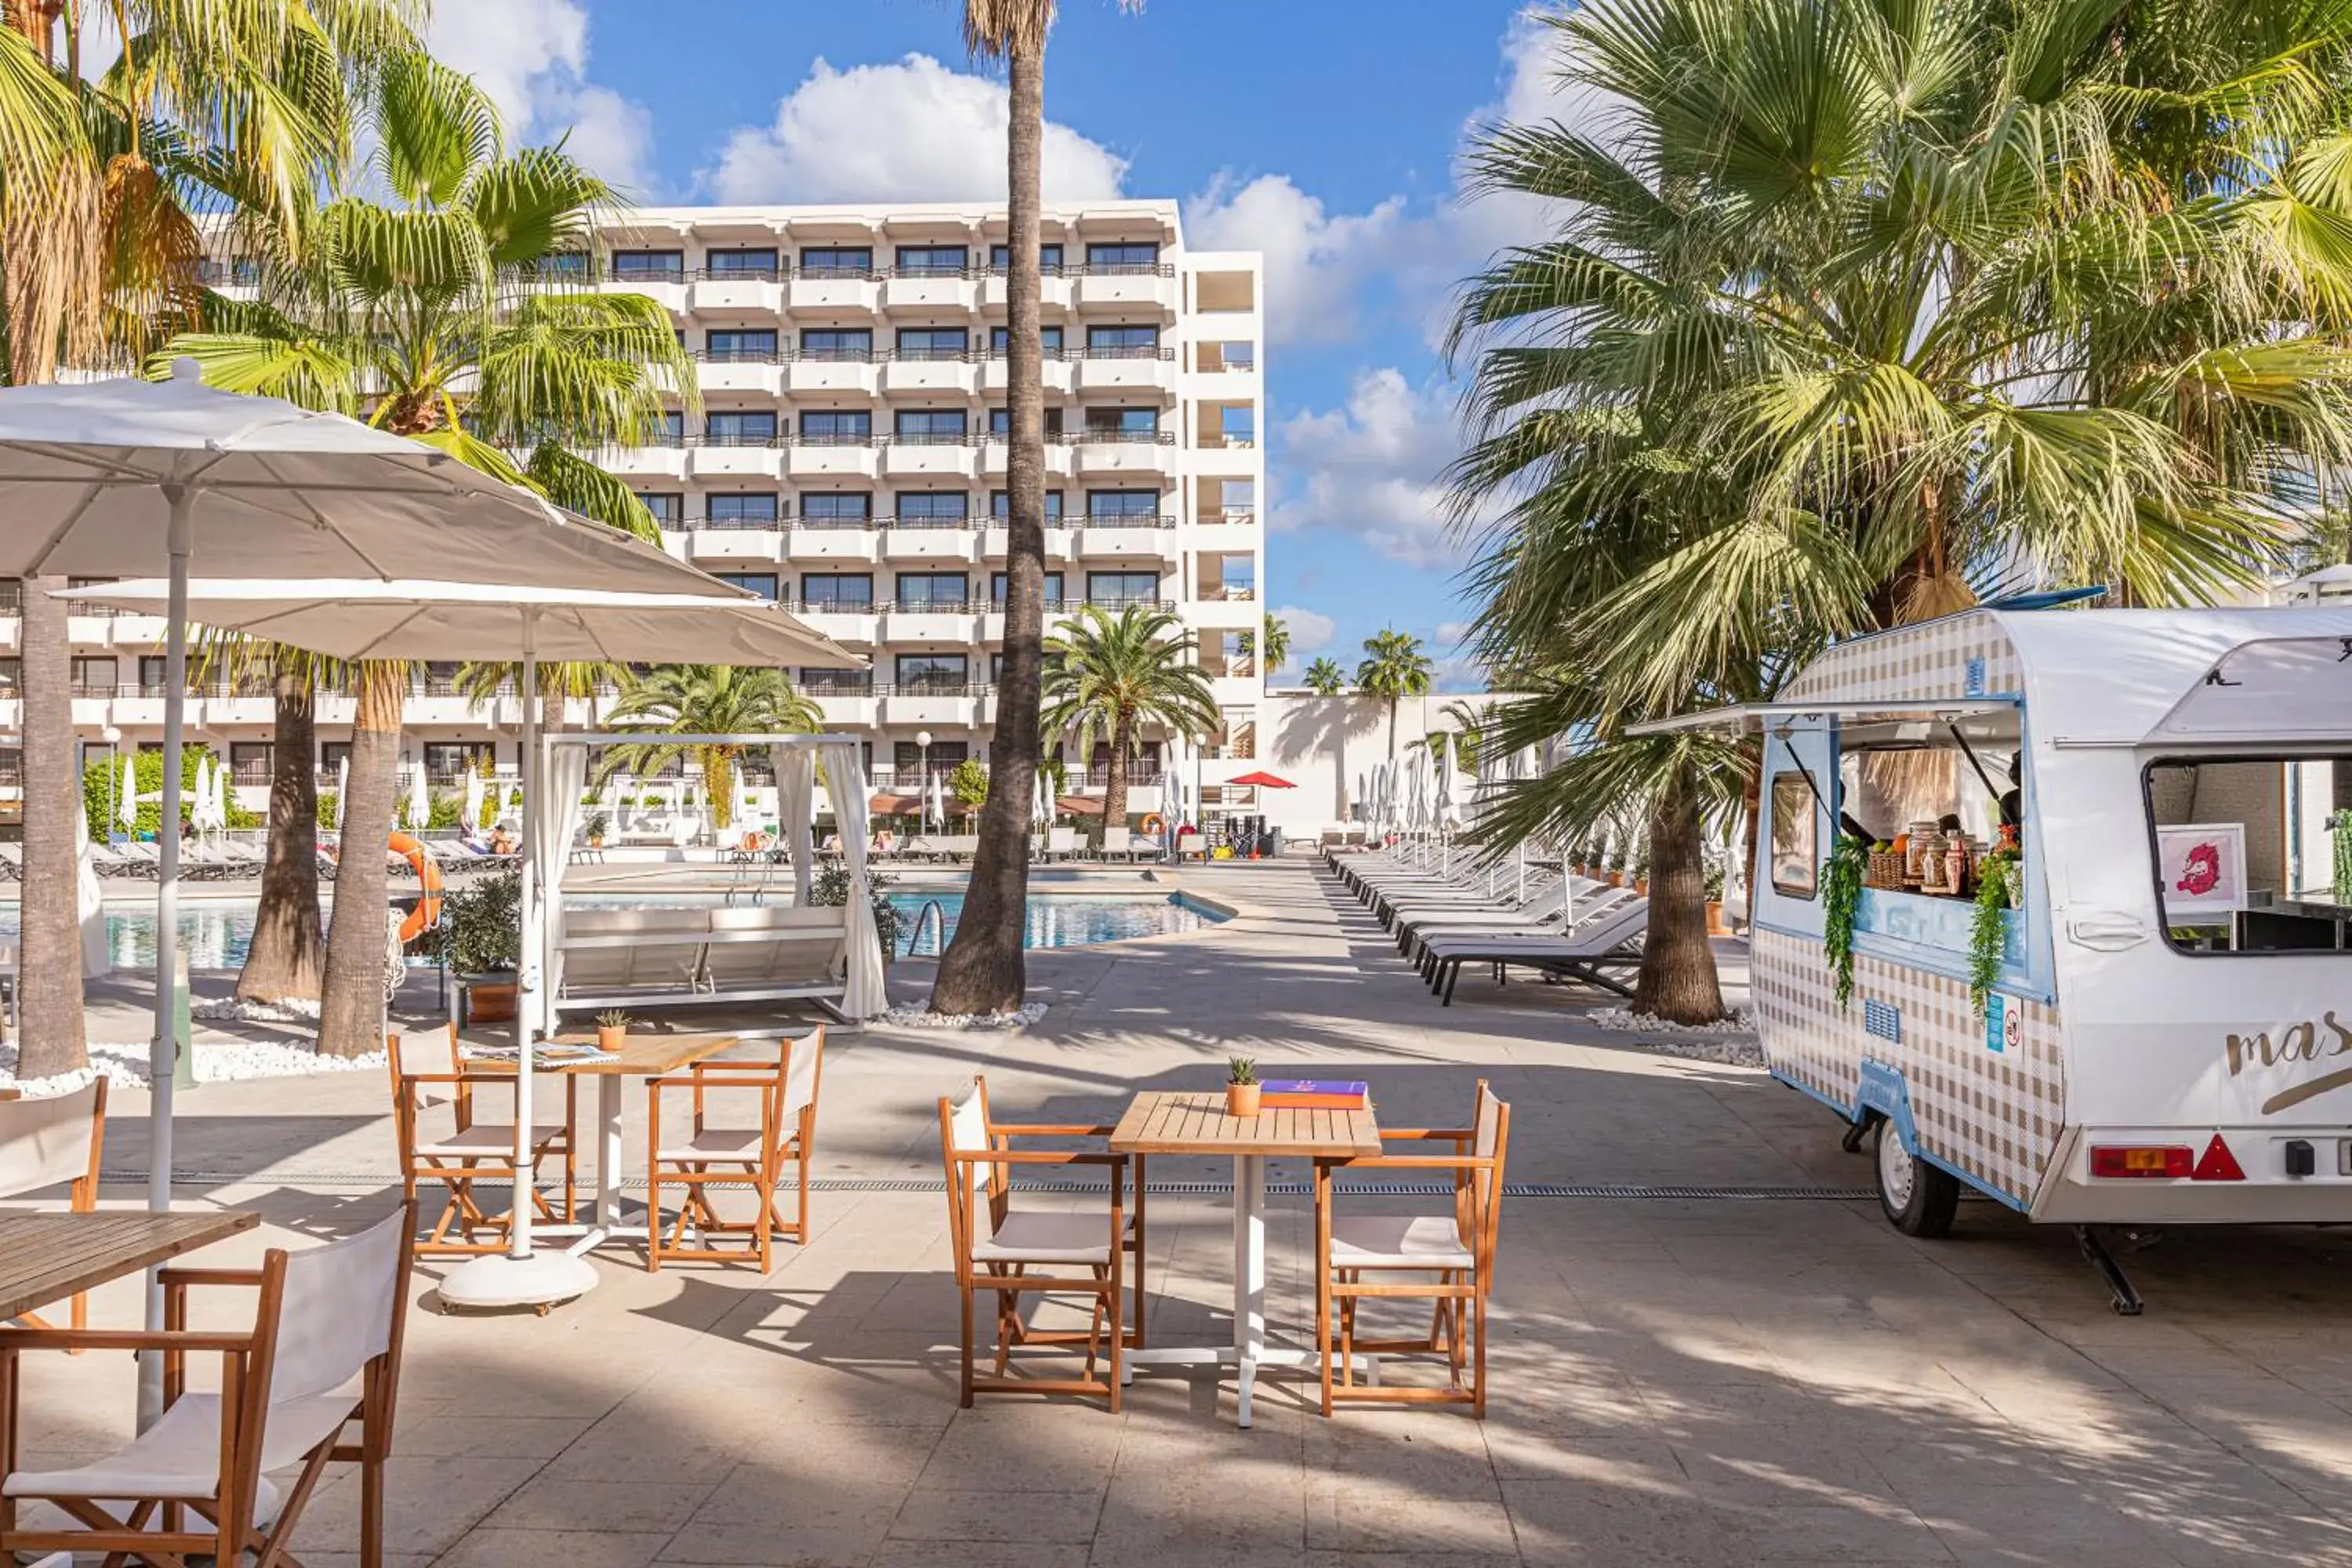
[722, 548]
[857, 292]
[1123, 452]
[717, 458]
[1124, 288]
[996, 542]
[1233, 530]
[851, 628]
[932, 705]
[937, 294]
[813, 544]
[941, 376]
[996, 457]
[995, 376]
[845, 377]
[922, 458]
[1148, 537]
[741, 372]
[1127, 369]
[930, 623]
[663, 461]
[1056, 291]
[666, 289]
[855, 459]
[849, 710]
[763, 292]
[958, 542]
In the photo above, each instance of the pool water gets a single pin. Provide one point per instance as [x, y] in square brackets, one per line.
[215, 933]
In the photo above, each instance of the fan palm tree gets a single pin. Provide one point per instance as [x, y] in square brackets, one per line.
[1109, 676]
[233, 111]
[450, 312]
[1393, 668]
[704, 700]
[1277, 638]
[983, 969]
[1324, 677]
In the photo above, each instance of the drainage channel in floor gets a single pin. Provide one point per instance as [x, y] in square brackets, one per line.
[1605, 1191]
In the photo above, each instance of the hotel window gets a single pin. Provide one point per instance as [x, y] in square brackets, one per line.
[649, 266]
[249, 762]
[152, 669]
[1049, 259]
[844, 593]
[933, 426]
[933, 508]
[999, 506]
[669, 432]
[667, 507]
[1114, 504]
[943, 757]
[1118, 590]
[95, 676]
[838, 682]
[741, 429]
[742, 263]
[1130, 342]
[836, 509]
[445, 762]
[996, 580]
[850, 260]
[852, 343]
[1000, 338]
[933, 260]
[1123, 424]
[837, 427]
[1142, 765]
[1000, 422]
[12, 765]
[1123, 257]
[333, 754]
[12, 676]
[741, 510]
[933, 343]
[933, 590]
[945, 674]
[748, 344]
[760, 583]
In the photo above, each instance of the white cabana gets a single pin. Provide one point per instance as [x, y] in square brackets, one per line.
[796, 818]
[89, 907]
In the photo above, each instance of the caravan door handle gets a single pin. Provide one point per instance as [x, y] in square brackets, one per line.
[2106, 930]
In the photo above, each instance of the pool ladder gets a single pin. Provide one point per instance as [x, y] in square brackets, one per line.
[915, 940]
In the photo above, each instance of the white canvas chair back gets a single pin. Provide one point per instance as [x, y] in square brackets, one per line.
[799, 1075]
[968, 1125]
[336, 1314]
[1488, 1128]
[46, 1142]
[432, 1054]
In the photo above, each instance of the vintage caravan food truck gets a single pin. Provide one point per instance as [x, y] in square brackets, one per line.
[2159, 1031]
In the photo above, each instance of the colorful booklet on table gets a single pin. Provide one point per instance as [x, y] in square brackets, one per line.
[1314, 1094]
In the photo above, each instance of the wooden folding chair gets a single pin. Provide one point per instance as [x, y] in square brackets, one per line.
[707, 1155]
[996, 1243]
[1455, 1253]
[324, 1319]
[55, 1141]
[427, 1073]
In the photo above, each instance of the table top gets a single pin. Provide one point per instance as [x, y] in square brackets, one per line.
[1160, 1122]
[642, 1055]
[46, 1258]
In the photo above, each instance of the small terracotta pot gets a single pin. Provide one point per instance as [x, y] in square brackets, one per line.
[1616, 879]
[1241, 1099]
[610, 1038]
[1641, 886]
[1715, 926]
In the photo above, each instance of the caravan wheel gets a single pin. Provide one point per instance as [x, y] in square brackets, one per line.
[1919, 1199]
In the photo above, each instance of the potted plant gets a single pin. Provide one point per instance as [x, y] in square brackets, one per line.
[596, 824]
[1242, 1088]
[611, 1031]
[481, 938]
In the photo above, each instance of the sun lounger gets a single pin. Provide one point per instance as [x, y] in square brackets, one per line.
[1600, 953]
[651, 958]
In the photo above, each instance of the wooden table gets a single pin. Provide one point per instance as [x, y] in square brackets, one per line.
[641, 1056]
[1165, 1124]
[46, 1258]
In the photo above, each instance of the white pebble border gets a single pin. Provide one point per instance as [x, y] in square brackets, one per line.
[293, 1010]
[1731, 1043]
[911, 1015]
[216, 1062]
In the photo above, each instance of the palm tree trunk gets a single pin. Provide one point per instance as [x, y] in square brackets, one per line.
[288, 952]
[1114, 780]
[719, 783]
[49, 1001]
[350, 1014]
[1677, 982]
[1392, 708]
[983, 969]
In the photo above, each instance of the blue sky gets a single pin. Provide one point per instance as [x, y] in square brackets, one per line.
[1320, 133]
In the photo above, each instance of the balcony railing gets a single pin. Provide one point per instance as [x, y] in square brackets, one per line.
[572, 271]
[930, 688]
[1126, 351]
[933, 356]
[932, 438]
[936, 607]
[830, 607]
[1125, 520]
[775, 272]
[932, 524]
[1095, 436]
[970, 438]
[742, 356]
[732, 524]
[762, 438]
[837, 683]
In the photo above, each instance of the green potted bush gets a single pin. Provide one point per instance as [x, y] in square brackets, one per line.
[596, 824]
[481, 938]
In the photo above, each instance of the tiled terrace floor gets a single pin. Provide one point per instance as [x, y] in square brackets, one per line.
[1721, 1381]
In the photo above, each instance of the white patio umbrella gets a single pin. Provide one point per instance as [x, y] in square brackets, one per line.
[126, 799]
[89, 907]
[1041, 801]
[342, 787]
[409, 619]
[935, 803]
[420, 799]
[473, 819]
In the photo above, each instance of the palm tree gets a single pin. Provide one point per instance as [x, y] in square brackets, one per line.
[288, 954]
[1325, 679]
[1108, 676]
[983, 969]
[1393, 668]
[451, 312]
[1277, 638]
[704, 700]
[233, 111]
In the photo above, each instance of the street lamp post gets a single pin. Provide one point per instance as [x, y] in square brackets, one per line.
[113, 736]
[923, 777]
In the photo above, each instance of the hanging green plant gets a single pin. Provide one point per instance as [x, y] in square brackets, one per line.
[1841, 897]
[1990, 932]
[2339, 832]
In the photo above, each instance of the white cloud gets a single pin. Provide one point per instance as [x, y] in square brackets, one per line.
[912, 130]
[531, 57]
[1310, 632]
[1371, 468]
[1450, 632]
[1315, 261]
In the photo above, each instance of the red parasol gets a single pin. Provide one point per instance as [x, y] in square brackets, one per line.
[1263, 781]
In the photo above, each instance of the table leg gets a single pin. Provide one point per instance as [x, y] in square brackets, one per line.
[608, 1156]
[1249, 1277]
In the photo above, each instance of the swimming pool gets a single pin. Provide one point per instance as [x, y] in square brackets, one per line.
[215, 933]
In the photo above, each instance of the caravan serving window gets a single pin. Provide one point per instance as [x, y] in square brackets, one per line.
[1909, 784]
[1796, 829]
[2243, 853]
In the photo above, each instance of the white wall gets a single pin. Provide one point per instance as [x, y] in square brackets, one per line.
[1318, 743]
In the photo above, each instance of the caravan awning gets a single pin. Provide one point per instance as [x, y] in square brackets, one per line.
[1754, 718]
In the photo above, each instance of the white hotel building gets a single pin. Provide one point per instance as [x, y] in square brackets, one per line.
[848, 459]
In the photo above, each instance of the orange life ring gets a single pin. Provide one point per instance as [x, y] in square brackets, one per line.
[427, 913]
[1153, 823]
[754, 841]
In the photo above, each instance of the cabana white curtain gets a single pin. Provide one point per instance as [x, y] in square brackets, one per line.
[795, 792]
[89, 906]
[564, 775]
[845, 781]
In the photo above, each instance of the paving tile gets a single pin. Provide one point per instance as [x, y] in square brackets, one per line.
[549, 1504]
[1571, 1523]
[1065, 1518]
[1829, 1534]
[489, 1548]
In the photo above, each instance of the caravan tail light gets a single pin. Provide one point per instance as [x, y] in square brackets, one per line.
[2159, 1162]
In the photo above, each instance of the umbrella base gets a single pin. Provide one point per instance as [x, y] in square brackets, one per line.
[495, 1280]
